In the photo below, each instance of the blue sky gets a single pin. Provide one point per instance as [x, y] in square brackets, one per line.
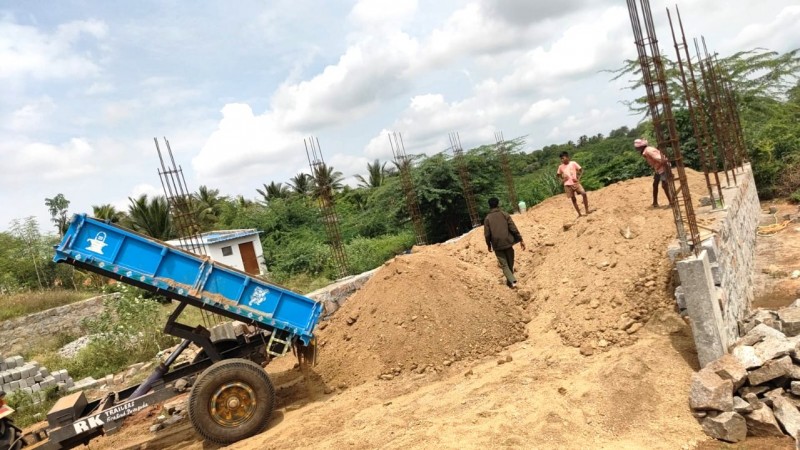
[236, 86]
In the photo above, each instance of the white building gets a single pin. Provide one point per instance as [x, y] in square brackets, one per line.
[240, 249]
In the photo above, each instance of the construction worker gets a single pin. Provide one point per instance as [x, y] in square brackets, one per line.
[660, 166]
[569, 172]
[501, 234]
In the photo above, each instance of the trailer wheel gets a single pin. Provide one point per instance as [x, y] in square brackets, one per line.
[10, 436]
[231, 400]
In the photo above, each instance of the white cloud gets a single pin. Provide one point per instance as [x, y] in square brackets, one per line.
[589, 123]
[382, 13]
[245, 145]
[371, 70]
[23, 161]
[31, 116]
[100, 88]
[544, 108]
[773, 34]
[28, 52]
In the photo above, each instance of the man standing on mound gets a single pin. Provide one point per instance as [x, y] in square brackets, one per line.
[501, 235]
[659, 164]
[569, 172]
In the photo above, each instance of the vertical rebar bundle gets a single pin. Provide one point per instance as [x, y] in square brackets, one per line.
[324, 193]
[660, 107]
[181, 203]
[717, 113]
[694, 103]
[403, 163]
[502, 148]
[736, 124]
[183, 214]
[463, 174]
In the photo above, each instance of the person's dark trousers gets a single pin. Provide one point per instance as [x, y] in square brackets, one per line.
[506, 259]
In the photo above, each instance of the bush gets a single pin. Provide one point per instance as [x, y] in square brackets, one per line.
[365, 254]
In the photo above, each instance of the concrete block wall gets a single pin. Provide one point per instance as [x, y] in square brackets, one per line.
[728, 263]
[20, 334]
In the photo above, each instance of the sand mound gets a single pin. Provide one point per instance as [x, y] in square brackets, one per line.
[601, 277]
[420, 312]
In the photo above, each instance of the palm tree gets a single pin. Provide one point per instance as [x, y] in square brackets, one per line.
[301, 184]
[208, 206]
[326, 179]
[376, 173]
[273, 190]
[107, 212]
[150, 217]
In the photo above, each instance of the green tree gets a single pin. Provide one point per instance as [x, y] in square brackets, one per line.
[27, 231]
[107, 212]
[326, 179]
[273, 191]
[150, 217]
[376, 174]
[208, 206]
[58, 212]
[301, 184]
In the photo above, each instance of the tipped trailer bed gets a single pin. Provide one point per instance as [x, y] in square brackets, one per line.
[231, 396]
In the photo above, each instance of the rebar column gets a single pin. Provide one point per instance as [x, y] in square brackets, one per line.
[463, 174]
[403, 163]
[660, 109]
[502, 149]
[325, 198]
[183, 214]
[697, 114]
[716, 114]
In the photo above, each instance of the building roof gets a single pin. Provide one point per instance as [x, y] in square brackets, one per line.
[212, 237]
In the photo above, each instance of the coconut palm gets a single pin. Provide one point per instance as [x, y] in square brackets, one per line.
[272, 191]
[301, 184]
[107, 212]
[376, 175]
[326, 180]
[150, 217]
[208, 206]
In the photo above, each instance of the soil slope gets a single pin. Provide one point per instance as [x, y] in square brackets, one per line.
[587, 353]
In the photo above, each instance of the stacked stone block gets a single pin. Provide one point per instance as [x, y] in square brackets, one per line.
[754, 390]
[16, 375]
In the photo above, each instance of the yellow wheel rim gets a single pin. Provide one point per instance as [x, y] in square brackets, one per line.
[232, 404]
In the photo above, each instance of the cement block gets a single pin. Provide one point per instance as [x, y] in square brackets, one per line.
[716, 274]
[16, 374]
[710, 246]
[13, 386]
[703, 307]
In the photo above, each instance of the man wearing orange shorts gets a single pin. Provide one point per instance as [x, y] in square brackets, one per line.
[569, 172]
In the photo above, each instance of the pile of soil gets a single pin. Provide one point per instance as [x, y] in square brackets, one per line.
[600, 276]
[420, 312]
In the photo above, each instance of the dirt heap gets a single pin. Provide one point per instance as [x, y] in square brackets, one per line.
[601, 276]
[420, 312]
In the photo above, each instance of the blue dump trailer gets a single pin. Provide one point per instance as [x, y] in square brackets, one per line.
[231, 395]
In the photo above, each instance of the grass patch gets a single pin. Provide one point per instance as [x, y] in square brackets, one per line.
[26, 411]
[23, 303]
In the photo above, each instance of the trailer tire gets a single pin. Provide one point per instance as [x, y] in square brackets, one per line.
[231, 400]
[10, 436]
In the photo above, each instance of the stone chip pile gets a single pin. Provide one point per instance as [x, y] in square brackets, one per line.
[16, 375]
[754, 390]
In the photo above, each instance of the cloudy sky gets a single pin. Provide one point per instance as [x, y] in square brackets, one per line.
[85, 85]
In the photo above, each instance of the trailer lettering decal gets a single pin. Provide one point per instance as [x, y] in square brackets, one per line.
[109, 415]
[98, 243]
[258, 297]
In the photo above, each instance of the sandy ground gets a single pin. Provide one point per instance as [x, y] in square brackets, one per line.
[593, 355]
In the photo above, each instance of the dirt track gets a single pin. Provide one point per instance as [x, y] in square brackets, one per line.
[586, 290]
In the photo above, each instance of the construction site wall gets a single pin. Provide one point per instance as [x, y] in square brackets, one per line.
[717, 286]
